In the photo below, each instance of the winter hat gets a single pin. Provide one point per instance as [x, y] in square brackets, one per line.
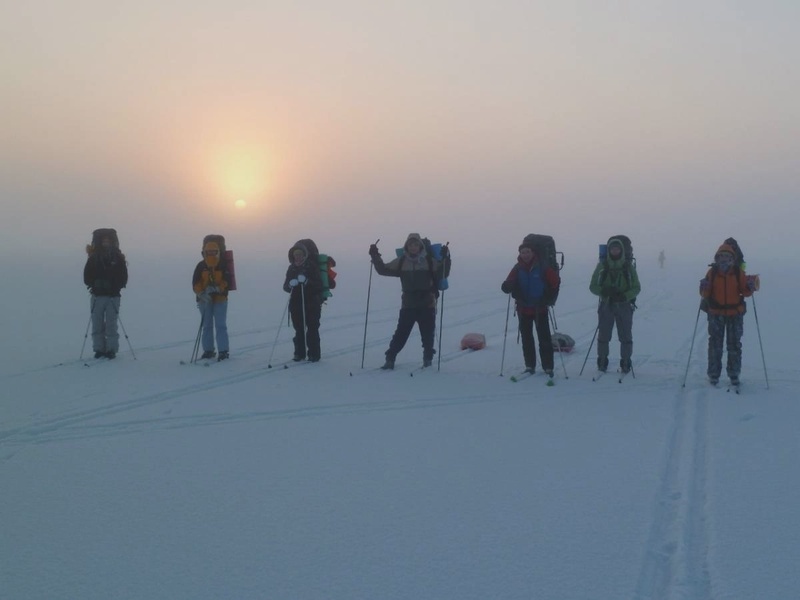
[300, 247]
[725, 249]
[413, 237]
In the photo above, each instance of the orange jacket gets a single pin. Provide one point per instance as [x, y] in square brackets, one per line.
[205, 276]
[726, 293]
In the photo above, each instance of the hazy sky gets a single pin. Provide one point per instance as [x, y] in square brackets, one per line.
[675, 122]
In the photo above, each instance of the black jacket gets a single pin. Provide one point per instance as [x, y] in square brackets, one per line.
[105, 273]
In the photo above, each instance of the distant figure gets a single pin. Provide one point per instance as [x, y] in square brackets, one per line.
[531, 283]
[210, 282]
[724, 289]
[661, 259]
[304, 283]
[105, 274]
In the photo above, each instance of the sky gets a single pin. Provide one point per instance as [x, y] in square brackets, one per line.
[143, 478]
[673, 122]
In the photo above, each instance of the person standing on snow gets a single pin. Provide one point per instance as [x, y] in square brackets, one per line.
[724, 289]
[304, 283]
[616, 282]
[105, 274]
[210, 283]
[419, 275]
[531, 284]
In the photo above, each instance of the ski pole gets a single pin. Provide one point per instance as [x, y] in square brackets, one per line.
[196, 349]
[366, 315]
[505, 336]
[441, 323]
[278, 332]
[758, 329]
[551, 311]
[116, 310]
[441, 317]
[86, 335]
[691, 346]
[303, 305]
[596, 329]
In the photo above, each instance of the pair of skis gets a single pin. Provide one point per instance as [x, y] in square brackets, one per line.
[528, 373]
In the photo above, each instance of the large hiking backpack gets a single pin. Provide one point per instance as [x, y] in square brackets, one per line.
[226, 261]
[99, 234]
[325, 263]
[545, 248]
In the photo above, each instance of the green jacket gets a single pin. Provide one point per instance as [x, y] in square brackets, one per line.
[613, 281]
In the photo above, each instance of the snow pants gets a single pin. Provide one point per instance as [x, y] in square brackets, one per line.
[306, 328]
[721, 328]
[609, 314]
[105, 313]
[426, 319]
[542, 324]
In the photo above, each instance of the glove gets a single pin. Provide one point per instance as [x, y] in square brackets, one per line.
[301, 278]
[445, 252]
[704, 285]
[506, 287]
[212, 289]
[373, 251]
[293, 282]
[204, 297]
[751, 285]
[617, 297]
[286, 288]
[608, 291]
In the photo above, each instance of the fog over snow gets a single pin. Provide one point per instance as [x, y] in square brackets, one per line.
[146, 478]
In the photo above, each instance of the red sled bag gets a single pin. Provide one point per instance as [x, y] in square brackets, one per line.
[473, 341]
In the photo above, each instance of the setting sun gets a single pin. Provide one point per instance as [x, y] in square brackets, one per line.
[240, 204]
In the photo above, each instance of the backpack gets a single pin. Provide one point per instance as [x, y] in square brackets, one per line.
[737, 267]
[226, 262]
[99, 234]
[432, 251]
[325, 263]
[545, 248]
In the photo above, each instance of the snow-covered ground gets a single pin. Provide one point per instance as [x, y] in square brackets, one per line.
[146, 478]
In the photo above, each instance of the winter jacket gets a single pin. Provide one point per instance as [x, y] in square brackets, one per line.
[419, 275]
[312, 292]
[727, 291]
[105, 272]
[615, 280]
[211, 272]
[531, 285]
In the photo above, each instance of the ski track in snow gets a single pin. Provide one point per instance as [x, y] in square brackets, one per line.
[676, 558]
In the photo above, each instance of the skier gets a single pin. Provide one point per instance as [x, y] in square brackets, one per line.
[661, 259]
[105, 274]
[616, 282]
[724, 289]
[419, 275]
[210, 283]
[530, 283]
[304, 283]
